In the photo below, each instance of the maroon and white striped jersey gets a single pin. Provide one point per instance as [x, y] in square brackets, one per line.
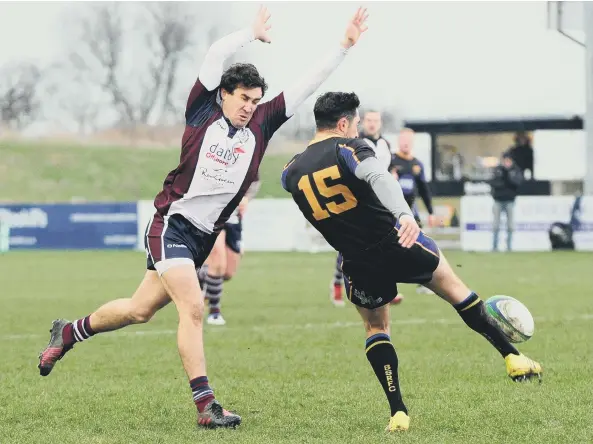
[218, 162]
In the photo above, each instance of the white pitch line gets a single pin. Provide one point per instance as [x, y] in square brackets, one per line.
[309, 326]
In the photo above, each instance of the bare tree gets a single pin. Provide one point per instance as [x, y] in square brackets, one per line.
[99, 55]
[144, 90]
[19, 102]
[84, 112]
[173, 28]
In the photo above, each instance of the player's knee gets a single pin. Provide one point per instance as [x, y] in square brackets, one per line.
[140, 314]
[193, 311]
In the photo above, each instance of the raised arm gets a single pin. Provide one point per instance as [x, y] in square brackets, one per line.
[213, 64]
[212, 68]
[308, 84]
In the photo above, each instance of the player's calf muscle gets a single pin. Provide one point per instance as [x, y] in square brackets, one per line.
[117, 314]
[140, 308]
[468, 305]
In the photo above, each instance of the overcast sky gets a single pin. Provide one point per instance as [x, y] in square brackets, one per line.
[428, 60]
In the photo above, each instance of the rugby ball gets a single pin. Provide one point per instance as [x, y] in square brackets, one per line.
[512, 317]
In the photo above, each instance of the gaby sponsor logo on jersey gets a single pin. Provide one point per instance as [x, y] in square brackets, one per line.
[225, 156]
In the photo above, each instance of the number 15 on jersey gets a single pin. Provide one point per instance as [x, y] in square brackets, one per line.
[320, 177]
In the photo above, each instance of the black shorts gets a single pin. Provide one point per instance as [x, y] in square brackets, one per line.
[233, 236]
[371, 276]
[174, 237]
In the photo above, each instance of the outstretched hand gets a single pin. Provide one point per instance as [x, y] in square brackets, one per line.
[356, 26]
[260, 26]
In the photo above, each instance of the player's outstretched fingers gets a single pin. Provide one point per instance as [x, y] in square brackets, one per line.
[260, 25]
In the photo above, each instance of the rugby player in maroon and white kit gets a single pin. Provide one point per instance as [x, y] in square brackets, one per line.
[226, 135]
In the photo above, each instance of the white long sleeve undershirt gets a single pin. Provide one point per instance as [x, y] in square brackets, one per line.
[213, 67]
[295, 95]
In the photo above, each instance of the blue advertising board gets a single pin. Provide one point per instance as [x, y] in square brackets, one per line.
[71, 226]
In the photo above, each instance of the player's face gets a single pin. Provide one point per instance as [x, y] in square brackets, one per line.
[239, 106]
[371, 124]
[406, 142]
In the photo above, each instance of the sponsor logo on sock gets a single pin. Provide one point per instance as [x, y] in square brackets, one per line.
[389, 375]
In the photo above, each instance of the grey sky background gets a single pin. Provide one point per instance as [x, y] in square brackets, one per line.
[423, 60]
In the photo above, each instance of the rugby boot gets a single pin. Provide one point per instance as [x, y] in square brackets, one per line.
[55, 350]
[521, 368]
[398, 423]
[214, 416]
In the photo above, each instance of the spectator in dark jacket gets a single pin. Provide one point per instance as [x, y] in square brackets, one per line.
[505, 185]
[522, 153]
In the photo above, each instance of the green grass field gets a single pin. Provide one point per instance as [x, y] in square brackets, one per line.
[291, 364]
[55, 173]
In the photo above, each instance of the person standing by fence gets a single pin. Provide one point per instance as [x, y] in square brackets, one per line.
[505, 186]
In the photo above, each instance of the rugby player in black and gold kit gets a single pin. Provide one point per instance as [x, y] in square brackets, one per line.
[359, 208]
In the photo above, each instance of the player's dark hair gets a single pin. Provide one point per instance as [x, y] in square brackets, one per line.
[243, 75]
[332, 106]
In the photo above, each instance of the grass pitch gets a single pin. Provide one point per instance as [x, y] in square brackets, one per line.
[291, 364]
[59, 173]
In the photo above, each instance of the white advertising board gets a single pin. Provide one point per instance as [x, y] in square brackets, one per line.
[269, 225]
[533, 216]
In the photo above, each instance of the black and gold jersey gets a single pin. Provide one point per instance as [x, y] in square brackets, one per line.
[343, 208]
